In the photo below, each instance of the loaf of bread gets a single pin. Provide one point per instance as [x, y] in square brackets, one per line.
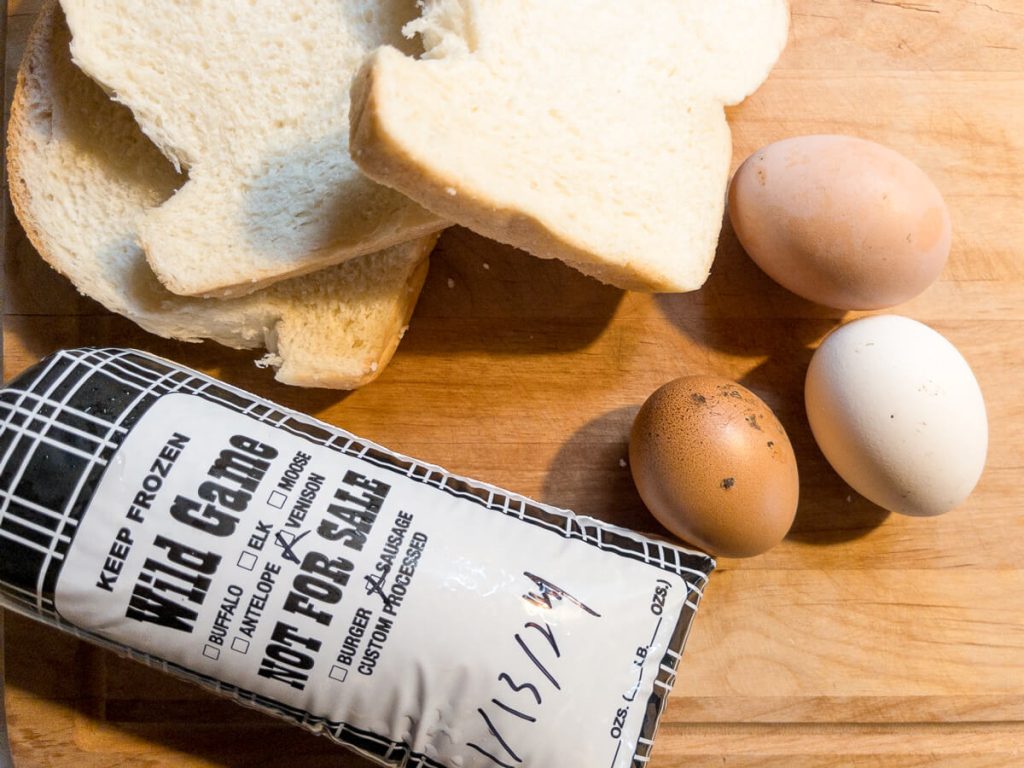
[251, 98]
[584, 130]
[83, 178]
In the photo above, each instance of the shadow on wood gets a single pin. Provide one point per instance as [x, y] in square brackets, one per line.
[484, 296]
[736, 293]
[139, 716]
[590, 474]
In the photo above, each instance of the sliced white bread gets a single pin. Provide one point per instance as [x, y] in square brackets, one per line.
[251, 97]
[82, 178]
[584, 130]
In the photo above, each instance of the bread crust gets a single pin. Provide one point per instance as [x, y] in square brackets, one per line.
[18, 131]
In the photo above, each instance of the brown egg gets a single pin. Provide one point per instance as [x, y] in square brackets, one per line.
[841, 221]
[715, 466]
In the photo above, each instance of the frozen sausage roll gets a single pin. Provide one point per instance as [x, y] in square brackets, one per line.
[417, 617]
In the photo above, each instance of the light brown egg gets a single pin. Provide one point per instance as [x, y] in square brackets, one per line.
[841, 221]
[714, 466]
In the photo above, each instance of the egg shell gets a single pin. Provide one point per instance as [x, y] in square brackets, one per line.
[714, 466]
[897, 412]
[841, 221]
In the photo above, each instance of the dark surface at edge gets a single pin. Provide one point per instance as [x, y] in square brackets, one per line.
[6, 761]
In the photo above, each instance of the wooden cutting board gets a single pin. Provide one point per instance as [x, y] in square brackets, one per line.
[864, 639]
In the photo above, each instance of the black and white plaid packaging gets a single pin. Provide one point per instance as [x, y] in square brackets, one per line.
[63, 424]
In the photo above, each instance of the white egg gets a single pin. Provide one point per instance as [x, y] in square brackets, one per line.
[897, 412]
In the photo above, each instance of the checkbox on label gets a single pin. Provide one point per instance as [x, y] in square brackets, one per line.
[277, 500]
[240, 644]
[247, 560]
[285, 538]
[338, 673]
[211, 652]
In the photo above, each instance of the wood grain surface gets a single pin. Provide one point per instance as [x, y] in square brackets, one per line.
[864, 639]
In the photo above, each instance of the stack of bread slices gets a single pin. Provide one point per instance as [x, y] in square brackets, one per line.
[274, 174]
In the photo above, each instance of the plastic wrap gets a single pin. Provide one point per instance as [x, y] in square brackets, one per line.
[417, 617]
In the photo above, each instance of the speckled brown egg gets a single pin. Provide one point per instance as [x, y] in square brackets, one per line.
[714, 466]
[841, 221]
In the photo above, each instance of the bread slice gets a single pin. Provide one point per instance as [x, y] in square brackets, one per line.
[583, 130]
[251, 97]
[82, 177]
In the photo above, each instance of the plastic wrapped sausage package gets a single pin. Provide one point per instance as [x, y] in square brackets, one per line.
[417, 617]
